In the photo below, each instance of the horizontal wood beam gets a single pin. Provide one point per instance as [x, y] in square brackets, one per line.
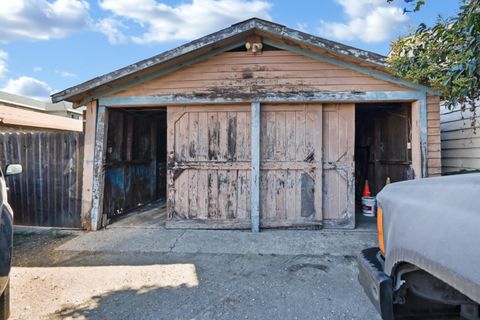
[243, 165]
[280, 97]
[264, 165]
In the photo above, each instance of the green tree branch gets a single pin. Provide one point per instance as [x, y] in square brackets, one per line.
[445, 56]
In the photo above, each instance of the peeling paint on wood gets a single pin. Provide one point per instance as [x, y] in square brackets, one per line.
[364, 70]
[289, 175]
[216, 181]
[307, 199]
[230, 97]
[255, 171]
[99, 172]
[339, 179]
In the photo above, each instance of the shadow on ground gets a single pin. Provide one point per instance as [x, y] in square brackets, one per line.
[241, 287]
[229, 286]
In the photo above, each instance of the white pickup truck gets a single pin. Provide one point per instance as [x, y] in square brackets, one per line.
[427, 264]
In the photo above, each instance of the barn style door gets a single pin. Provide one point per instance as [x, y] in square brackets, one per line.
[338, 165]
[209, 157]
[306, 165]
[291, 165]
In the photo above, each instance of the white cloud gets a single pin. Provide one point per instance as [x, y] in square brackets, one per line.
[42, 19]
[30, 87]
[37, 69]
[3, 64]
[66, 74]
[369, 21]
[112, 28]
[185, 21]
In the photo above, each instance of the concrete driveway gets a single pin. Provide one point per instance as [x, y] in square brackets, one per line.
[154, 273]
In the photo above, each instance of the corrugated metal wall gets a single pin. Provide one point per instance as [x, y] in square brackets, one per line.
[48, 192]
[460, 141]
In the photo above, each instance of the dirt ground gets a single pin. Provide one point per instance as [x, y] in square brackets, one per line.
[37, 249]
[53, 279]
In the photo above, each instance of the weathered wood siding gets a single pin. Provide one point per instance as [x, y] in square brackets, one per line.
[48, 191]
[433, 131]
[234, 73]
[460, 140]
[90, 117]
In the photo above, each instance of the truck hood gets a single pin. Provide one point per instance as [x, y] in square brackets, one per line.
[434, 223]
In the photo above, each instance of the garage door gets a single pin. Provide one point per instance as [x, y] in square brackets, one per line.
[209, 166]
[338, 165]
[209, 156]
[291, 165]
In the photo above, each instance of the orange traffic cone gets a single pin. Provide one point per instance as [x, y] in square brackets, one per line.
[366, 190]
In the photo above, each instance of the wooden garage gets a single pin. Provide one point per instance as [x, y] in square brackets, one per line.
[255, 126]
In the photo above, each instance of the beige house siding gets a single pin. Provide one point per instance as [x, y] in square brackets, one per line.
[460, 141]
[22, 118]
[278, 70]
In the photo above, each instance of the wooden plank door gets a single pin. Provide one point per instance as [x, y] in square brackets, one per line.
[338, 165]
[390, 150]
[209, 157]
[291, 165]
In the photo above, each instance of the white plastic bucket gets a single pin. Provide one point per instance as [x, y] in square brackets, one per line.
[369, 206]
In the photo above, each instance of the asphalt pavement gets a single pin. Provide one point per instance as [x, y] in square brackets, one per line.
[140, 273]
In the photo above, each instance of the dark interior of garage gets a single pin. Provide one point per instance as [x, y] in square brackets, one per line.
[382, 146]
[135, 164]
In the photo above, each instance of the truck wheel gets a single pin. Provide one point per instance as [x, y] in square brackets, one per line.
[5, 303]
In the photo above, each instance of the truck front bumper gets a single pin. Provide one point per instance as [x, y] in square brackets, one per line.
[377, 285]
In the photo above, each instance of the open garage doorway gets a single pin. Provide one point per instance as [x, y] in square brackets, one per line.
[135, 164]
[383, 148]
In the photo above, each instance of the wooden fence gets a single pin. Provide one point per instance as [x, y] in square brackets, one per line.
[48, 192]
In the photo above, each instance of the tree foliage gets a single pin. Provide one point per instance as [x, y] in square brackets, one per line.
[445, 56]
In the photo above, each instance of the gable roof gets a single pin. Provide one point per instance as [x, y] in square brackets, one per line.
[219, 38]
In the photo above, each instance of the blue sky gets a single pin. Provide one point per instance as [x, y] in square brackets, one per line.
[49, 45]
